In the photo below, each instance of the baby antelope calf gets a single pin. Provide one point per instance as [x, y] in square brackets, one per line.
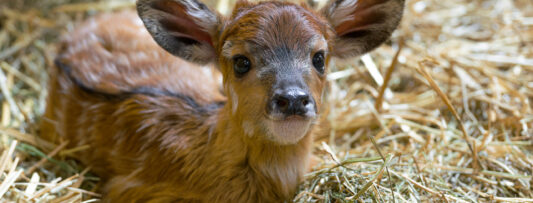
[209, 108]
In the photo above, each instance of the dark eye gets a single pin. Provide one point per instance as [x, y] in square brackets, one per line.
[318, 62]
[241, 65]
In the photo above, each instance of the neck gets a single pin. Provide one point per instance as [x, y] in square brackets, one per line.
[276, 167]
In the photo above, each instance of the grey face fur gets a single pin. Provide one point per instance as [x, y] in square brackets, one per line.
[281, 46]
[279, 39]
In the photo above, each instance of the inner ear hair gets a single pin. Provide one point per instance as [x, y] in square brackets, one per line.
[362, 25]
[184, 28]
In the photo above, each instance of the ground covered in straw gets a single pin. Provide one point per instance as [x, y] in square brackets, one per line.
[441, 113]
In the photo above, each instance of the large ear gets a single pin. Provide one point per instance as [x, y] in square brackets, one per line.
[182, 27]
[362, 25]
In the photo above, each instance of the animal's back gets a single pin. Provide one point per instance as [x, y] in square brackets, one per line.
[111, 82]
[114, 53]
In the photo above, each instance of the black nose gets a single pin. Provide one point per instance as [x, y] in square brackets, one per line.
[293, 101]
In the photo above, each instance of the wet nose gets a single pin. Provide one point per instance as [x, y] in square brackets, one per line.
[291, 101]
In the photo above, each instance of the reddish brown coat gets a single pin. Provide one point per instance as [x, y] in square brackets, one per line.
[161, 142]
[160, 129]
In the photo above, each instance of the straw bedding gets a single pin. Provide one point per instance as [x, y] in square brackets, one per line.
[442, 113]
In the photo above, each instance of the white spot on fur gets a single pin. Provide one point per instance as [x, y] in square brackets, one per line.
[139, 22]
[234, 100]
[226, 49]
[248, 128]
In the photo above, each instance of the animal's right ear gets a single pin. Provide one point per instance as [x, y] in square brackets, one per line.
[185, 28]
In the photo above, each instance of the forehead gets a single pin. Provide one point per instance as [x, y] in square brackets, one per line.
[274, 26]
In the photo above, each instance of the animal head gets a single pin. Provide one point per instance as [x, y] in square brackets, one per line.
[273, 55]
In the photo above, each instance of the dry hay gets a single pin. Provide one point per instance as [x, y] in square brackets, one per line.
[454, 123]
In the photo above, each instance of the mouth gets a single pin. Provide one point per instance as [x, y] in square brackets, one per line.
[278, 117]
[287, 129]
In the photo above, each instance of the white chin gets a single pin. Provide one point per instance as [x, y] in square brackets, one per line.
[288, 131]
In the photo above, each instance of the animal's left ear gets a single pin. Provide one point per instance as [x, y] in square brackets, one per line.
[362, 25]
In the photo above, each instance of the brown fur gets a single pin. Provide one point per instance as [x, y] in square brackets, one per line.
[158, 147]
[165, 130]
